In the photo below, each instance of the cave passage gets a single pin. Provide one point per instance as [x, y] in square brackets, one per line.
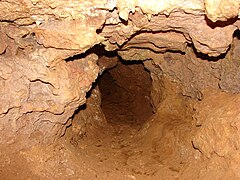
[125, 93]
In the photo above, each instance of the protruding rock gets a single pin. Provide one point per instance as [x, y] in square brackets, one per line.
[221, 10]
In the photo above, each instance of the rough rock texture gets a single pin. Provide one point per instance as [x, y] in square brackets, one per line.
[217, 136]
[87, 117]
[167, 137]
[207, 38]
[43, 97]
[47, 64]
[221, 10]
[105, 63]
[218, 121]
[230, 68]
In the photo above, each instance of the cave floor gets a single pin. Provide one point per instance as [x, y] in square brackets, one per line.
[114, 153]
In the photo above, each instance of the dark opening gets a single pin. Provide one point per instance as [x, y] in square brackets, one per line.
[125, 91]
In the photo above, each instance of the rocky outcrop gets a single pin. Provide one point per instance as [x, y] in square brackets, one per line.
[38, 98]
[88, 117]
[217, 137]
[207, 38]
[221, 10]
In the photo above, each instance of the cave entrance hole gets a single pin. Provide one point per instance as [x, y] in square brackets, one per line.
[119, 98]
[125, 90]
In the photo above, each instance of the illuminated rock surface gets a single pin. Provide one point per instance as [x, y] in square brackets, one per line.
[110, 89]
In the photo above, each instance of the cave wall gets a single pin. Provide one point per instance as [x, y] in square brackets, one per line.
[40, 90]
[38, 100]
[87, 118]
[190, 43]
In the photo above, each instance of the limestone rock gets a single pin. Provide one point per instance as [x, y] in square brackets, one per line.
[208, 39]
[43, 97]
[3, 44]
[142, 46]
[230, 75]
[158, 6]
[217, 137]
[80, 35]
[221, 10]
[88, 117]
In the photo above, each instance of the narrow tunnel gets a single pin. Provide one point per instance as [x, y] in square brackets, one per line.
[120, 90]
[119, 98]
[120, 95]
[125, 91]
[118, 124]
